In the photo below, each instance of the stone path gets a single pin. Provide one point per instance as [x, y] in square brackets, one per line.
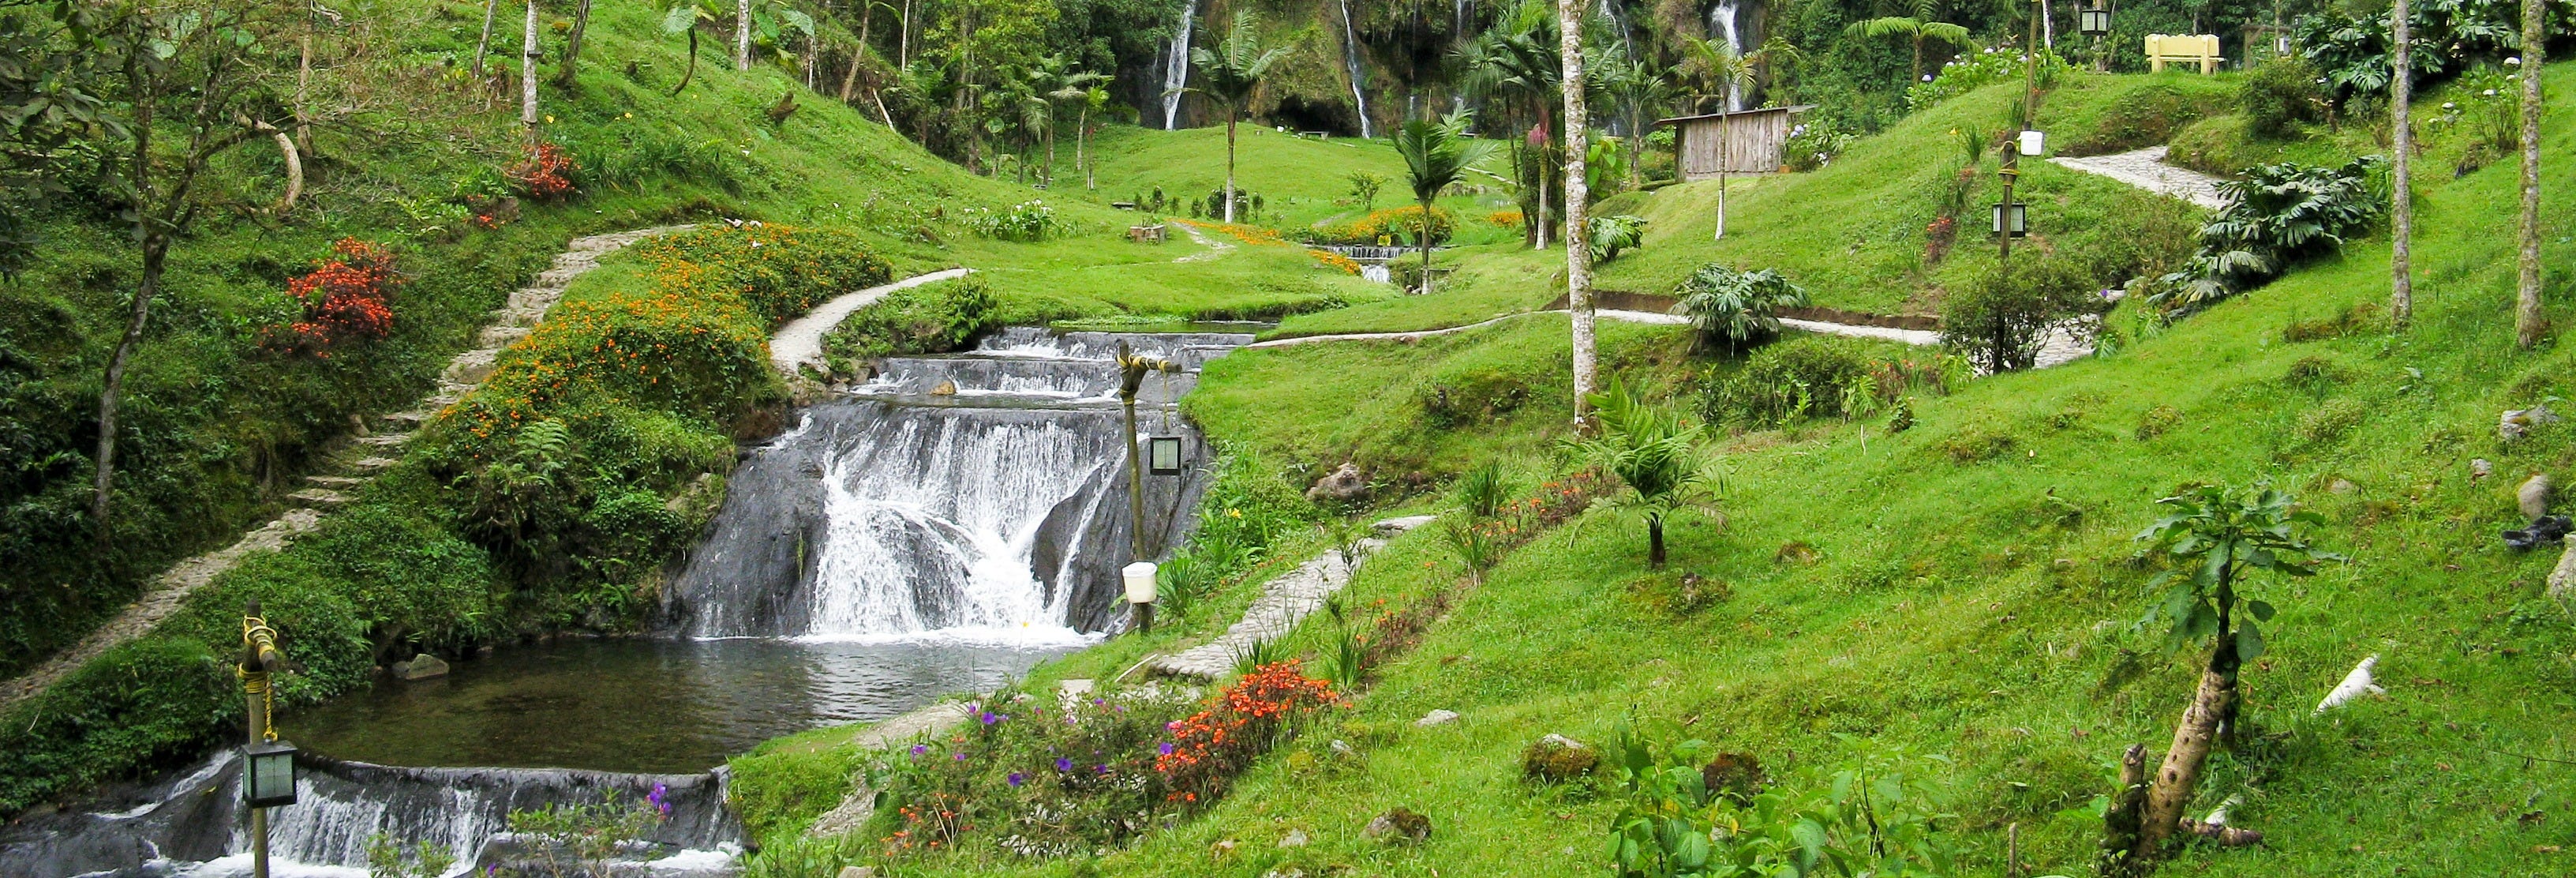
[800, 342]
[1215, 248]
[372, 451]
[2146, 169]
[1283, 602]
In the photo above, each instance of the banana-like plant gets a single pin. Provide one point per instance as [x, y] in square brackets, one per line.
[687, 17]
[1656, 454]
[1737, 310]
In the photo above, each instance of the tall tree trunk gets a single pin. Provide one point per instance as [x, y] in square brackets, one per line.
[1050, 138]
[2401, 282]
[1081, 156]
[1914, 70]
[1539, 224]
[1230, 113]
[528, 78]
[572, 45]
[304, 86]
[1423, 239]
[1578, 245]
[2535, 46]
[485, 44]
[2120, 822]
[2047, 28]
[903, 38]
[156, 250]
[742, 34]
[1722, 160]
[850, 78]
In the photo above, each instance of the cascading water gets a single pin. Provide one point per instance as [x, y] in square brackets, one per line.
[1721, 21]
[1351, 63]
[939, 529]
[1176, 66]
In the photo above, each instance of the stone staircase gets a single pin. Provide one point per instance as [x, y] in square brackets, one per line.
[377, 446]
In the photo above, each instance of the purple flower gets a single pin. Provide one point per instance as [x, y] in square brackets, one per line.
[1167, 748]
[1103, 769]
[659, 799]
[1015, 778]
[961, 755]
[989, 718]
[919, 749]
[1063, 764]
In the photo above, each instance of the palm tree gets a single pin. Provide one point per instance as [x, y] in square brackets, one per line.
[1637, 87]
[1435, 155]
[1519, 61]
[1655, 454]
[2535, 44]
[1070, 87]
[1720, 72]
[1578, 243]
[1917, 28]
[1094, 100]
[1230, 72]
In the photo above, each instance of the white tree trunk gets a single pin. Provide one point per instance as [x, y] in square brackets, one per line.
[742, 34]
[1721, 175]
[2535, 45]
[528, 77]
[484, 45]
[2401, 283]
[1578, 244]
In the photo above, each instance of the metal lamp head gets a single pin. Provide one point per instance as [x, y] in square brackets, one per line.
[2014, 217]
[1163, 455]
[1140, 582]
[268, 774]
[2094, 22]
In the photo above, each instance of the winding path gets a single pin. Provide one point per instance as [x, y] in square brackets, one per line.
[1908, 336]
[371, 452]
[800, 342]
[2146, 169]
[1285, 600]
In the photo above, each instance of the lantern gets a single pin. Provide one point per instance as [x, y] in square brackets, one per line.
[268, 774]
[2094, 22]
[2034, 143]
[2015, 216]
[1140, 582]
[1163, 455]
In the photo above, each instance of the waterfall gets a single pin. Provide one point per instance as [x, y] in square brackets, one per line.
[196, 819]
[1176, 67]
[1721, 20]
[971, 497]
[1351, 62]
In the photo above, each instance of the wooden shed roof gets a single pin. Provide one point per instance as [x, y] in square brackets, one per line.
[1800, 108]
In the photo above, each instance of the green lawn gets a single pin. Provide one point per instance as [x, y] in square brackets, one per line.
[1973, 607]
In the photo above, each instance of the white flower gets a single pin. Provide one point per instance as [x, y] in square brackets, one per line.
[1927, 77]
[2490, 92]
[2447, 105]
[2515, 61]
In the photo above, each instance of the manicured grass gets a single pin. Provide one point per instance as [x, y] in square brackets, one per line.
[1972, 607]
[1302, 181]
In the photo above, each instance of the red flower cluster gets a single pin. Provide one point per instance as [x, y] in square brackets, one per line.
[1212, 746]
[1937, 237]
[929, 824]
[343, 299]
[546, 176]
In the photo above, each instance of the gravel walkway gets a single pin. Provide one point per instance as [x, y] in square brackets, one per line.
[2146, 169]
[1283, 603]
[800, 342]
[371, 452]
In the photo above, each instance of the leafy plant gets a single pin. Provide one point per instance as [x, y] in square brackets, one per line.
[1654, 453]
[1611, 234]
[1478, 544]
[2276, 216]
[2278, 93]
[1794, 380]
[1030, 220]
[1877, 818]
[1435, 155]
[1365, 186]
[582, 839]
[1999, 318]
[387, 858]
[1483, 491]
[2212, 537]
[1737, 310]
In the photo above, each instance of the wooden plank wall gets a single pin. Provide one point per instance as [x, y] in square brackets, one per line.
[1754, 145]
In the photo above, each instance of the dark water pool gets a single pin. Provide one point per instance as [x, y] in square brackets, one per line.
[642, 705]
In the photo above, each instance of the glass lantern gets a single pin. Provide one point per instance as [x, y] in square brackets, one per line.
[2014, 216]
[2094, 22]
[268, 774]
[1163, 455]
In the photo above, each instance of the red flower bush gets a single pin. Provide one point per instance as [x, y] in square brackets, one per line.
[546, 176]
[343, 299]
[1209, 748]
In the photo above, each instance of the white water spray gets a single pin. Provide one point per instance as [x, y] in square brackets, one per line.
[1176, 67]
[1721, 21]
[1351, 62]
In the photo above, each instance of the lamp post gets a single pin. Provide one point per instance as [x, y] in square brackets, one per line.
[2096, 23]
[1132, 369]
[268, 764]
[2023, 144]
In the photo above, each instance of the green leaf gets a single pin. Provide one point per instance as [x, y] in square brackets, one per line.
[2262, 611]
[2249, 642]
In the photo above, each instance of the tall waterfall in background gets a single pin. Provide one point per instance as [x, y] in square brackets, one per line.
[1721, 21]
[1176, 66]
[1351, 62]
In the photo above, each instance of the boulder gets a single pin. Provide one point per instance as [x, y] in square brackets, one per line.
[2480, 468]
[1557, 759]
[2534, 497]
[420, 667]
[2517, 422]
[1296, 838]
[2562, 581]
[1437, 718]
[1344, 485]
[1738, 776]
[1398, 826]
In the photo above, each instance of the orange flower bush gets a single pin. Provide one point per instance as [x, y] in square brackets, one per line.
[1260, 711]
[1330, 259]
[1395, 224]
[547, 175]
[1509, 219]
[343, 299]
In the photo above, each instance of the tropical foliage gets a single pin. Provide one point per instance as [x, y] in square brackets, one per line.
[1737, 310]
[1655, 453]
[2275, 216]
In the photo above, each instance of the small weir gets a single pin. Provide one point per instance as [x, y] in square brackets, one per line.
[937, 529]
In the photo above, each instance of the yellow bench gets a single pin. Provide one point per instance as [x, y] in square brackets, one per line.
[2201, 49]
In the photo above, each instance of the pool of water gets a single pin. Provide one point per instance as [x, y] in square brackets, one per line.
[645, 705]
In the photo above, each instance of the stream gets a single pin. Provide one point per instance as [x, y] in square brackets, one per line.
[939, 529]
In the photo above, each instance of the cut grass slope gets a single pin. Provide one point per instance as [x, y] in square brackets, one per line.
[1971, 594]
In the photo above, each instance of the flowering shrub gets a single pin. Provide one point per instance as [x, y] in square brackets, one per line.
[546, 176]
[1041, 779]
[1814, 145]
[1509, 219]
[343, 298]
[1258, 712]
[1938, 236]
[1257, 236]
[1392, 225]
[1026, 221]
[1330, 259]
[1971, 72]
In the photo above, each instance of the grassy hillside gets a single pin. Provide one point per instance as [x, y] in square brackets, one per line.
[1965, 590]
[1303, 182]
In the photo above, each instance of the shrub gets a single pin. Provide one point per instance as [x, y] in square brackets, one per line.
[1612, 234]
[1997, 320]
[142, 707]
[1508, 218]
[342, 298]
[2157, 422]
[2276, 216]
[929, 319]
[1813, 145]
[1974, 70]
[1976, 443]
[2279, 93]
[1260, 711]
[1801, 378]
[545, 176]
[1392, 225]
[2326, 424]
[1737, 310]
[1026, 221]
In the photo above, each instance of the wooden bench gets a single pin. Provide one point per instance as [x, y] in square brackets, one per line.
[2201, 49]
[1153, 234]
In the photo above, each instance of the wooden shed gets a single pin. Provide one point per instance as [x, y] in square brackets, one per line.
[1755, 140]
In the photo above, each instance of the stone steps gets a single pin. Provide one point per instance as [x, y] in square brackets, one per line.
[318, 497]
[334, 482]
